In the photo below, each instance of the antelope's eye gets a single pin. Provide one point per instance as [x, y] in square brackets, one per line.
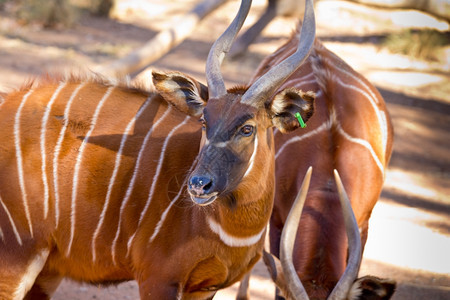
[246, 130]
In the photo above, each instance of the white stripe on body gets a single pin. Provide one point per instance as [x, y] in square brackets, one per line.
[363, 89]
[32, 271]
[20, 159]
[58, 150]
[11, 220]
[381, 120]
[132, 182]
[114, 174]
[233, 241]
[293, 81]
[370, 95]
[43, 155]
[155, 178]
[363, 143]
[164, 214]
[384, 131]
[325, 126]
[299, 85]
[77, 167]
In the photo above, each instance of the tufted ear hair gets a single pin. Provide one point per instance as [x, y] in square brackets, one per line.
[372, 287]
[182, 91]
[286, 104]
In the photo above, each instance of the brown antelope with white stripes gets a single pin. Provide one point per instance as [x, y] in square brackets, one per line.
[96, 180]
[350, 132]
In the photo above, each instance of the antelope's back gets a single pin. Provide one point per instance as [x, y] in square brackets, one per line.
[350, 131]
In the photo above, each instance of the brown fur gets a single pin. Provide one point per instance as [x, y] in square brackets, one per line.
[225, 151]
[86, 76]
[320, 249]
[189, 259]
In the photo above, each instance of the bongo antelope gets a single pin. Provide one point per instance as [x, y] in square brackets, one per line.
[103, 183]
[350, 132]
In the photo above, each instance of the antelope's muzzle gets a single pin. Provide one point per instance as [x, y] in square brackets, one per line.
[201, 189]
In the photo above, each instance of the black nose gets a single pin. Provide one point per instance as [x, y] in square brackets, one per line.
[200, 185]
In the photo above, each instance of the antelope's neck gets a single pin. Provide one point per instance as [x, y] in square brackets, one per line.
[243, 226]
[242, 221]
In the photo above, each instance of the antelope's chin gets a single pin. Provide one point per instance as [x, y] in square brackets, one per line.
[204, 199]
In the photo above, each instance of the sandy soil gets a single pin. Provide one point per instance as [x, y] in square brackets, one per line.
[409, 238]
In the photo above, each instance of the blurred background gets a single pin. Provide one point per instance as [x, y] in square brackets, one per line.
[404, 52]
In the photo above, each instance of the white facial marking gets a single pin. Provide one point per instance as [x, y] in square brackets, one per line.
[252, 158]
[220, 144]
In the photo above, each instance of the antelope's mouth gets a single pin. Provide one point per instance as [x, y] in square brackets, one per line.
[204, 200]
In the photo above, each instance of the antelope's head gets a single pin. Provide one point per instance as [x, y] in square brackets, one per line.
[237, 145]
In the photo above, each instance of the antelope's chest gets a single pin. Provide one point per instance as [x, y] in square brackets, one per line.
[216, 272]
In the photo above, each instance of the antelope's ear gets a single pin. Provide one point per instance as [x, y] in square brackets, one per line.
[286, 104]
[372, 287]
[182, 91]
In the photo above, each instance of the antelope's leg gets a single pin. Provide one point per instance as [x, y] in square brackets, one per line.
[364, 230]
[20, 266]
[44, 286]
[243, 293]
[275, 240]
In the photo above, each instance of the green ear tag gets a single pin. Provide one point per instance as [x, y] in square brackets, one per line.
[300, 120]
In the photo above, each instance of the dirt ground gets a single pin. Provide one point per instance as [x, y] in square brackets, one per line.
[409, 237]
